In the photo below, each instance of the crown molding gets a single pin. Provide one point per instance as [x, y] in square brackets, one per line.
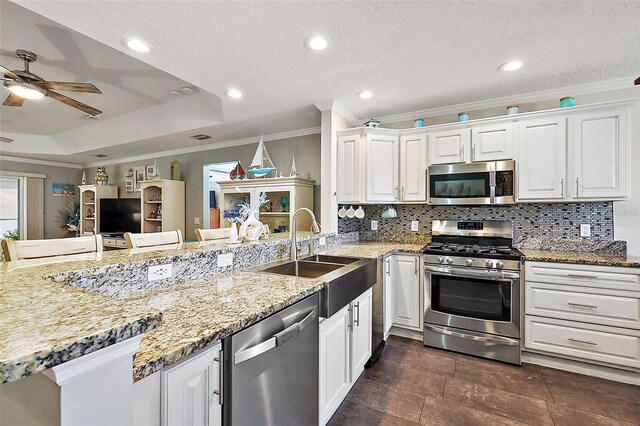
[336, 107]
[543, 95]
[209, 147]
[43, 162]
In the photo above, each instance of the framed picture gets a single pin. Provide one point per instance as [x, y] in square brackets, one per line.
[149, 172]
[64, 189]
[129, 185]
[138, 176]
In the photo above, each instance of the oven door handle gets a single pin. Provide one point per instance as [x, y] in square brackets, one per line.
[494, 339]
[460, 272]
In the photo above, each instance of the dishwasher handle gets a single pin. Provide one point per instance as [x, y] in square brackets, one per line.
[278, 339]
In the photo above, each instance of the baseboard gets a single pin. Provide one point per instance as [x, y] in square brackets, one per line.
[600, 371]
[404, 332]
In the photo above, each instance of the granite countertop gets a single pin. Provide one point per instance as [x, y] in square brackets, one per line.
[579, 257]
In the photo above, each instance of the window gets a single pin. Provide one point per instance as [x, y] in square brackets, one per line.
[10, 217]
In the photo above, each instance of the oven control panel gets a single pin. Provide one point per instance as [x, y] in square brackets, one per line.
[474, 262]
[470, 226]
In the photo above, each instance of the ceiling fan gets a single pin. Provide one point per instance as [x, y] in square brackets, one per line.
[26, 85]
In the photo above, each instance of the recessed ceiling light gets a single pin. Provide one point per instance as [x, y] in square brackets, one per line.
[175, 92]
[99, 155]
[233, 93]
[510, 66]
[365, 94]
[201, 137]
[93, 117]
[317, 43]
[5, 140]
[187, 90]
[137, 45]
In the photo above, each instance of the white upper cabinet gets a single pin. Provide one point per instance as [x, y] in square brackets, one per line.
[449, 146]
[349, 170]
[492, 142]
[413, 167]
[381, 166]
[542, 159]
[600, 155]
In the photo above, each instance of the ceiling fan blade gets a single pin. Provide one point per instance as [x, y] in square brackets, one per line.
[73, 103]
[13, 100]
[10, 74]
[69, 86]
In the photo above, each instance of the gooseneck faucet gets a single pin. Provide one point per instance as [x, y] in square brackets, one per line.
[315, 228]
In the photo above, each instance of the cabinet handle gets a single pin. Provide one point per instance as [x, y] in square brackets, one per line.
[585, 342]
[396, 191]
[577, 186]
[356, 320]
[219, 360]
[388, 266]
[415, 266]
[403, 193]
[581, 276]
[462, 152]
[580, 305]
[562, 188]
[473, 152]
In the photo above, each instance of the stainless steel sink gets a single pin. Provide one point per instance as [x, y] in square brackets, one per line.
[331, 259]
[302, 268]
[345, 278]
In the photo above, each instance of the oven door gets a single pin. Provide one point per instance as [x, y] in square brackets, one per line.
[453, 184]
[473, 299]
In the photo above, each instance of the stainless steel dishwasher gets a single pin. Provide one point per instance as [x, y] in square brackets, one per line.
[271, 369]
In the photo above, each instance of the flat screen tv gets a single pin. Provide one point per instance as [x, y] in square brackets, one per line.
[119, 215]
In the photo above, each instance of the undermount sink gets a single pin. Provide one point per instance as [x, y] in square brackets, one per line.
[345, 278]
[302, 268]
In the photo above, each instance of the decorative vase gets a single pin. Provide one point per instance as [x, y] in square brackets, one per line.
[101, 177]
[253, 228]
[233, 233]
[294, 170]
[175, 170]
[284, 202]
[84, 178]
[156, 170]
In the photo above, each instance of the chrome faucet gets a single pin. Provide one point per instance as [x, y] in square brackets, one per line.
[315, 228]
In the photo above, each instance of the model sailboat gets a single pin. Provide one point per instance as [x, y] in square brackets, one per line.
[261, 164]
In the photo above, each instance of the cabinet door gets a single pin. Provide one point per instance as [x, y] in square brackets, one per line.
[542, 159]
[335, 379]
[187, 391]
[382, 168]
[406, 282]
[349, 169]
[413, 167]
[389, 296]
[449, 146]
[361, 310]
[600, 147]
[492, 142]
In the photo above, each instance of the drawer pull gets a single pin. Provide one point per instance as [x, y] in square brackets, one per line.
[585, 342]
[581, 276]
[580, 305]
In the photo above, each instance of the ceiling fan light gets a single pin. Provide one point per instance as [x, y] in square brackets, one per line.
[25, 90]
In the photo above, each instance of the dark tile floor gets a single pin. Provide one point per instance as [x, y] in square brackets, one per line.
[412, 384]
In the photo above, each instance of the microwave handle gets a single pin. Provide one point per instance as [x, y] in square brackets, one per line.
[492, 183]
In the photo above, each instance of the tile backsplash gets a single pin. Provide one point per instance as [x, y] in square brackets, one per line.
[529, 220]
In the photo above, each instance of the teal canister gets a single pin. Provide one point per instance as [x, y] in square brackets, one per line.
[419, 122]
[567, 102]
[463, 116]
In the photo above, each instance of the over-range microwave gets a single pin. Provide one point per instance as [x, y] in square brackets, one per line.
[486, 183]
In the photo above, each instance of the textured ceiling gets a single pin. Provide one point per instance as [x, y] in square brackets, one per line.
[411, 55]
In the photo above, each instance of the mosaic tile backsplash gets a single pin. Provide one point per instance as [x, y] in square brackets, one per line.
[529, 220]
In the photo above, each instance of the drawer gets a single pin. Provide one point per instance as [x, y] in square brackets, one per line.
[604, 277]
[109, 241]
[121, 243]
[610, 345]
[606, 307]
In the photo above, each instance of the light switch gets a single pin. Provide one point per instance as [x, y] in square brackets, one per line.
[415, 225]
[374, 225]
[585, 230]
[196, 221]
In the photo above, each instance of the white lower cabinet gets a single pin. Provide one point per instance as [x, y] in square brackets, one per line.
[190, 390]
[345, 346]
[388, 300]
[583, 312]
[406, 294]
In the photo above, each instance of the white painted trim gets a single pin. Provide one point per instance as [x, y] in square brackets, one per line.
[336, 107]
[602, 372]
[22, 174]
[209, 147]
[43, 162]
[542, 95]
[71, 370]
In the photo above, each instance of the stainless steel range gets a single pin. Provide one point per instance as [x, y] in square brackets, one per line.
[472, 289]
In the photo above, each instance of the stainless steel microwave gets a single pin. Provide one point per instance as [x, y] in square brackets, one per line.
[486, 183]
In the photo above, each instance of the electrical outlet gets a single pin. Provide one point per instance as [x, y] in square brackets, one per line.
[159, 272]
[225, 260]
[374, 225]
[415, 225]
[585, 230]
[196, 221]
[323, 241]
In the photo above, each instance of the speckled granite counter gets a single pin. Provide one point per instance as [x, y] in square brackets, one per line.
[579, 257]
